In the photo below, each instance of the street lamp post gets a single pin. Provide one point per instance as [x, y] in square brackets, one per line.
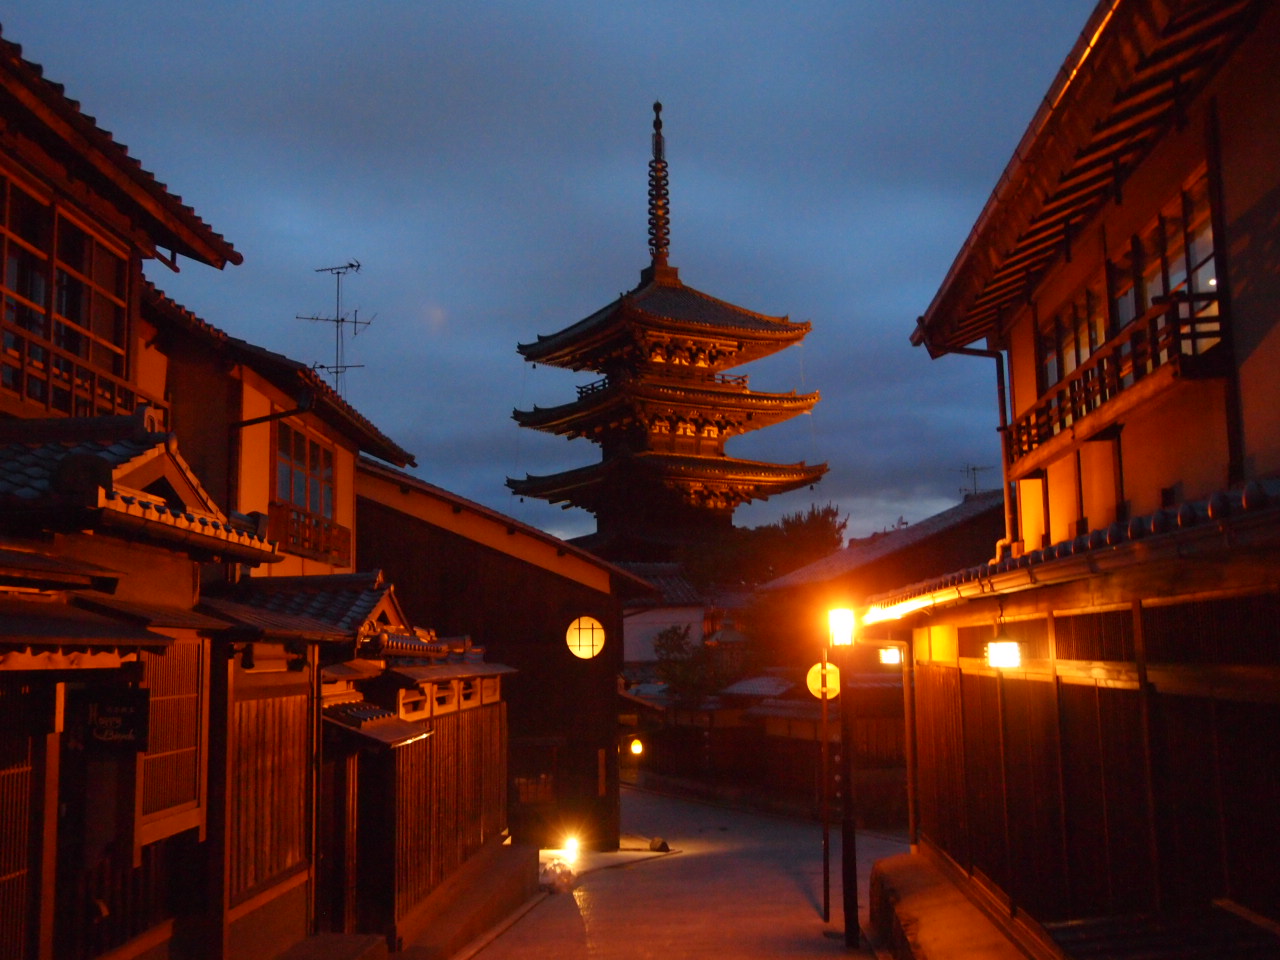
[842, 631]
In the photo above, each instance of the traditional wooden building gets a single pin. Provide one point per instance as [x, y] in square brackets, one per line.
[664, 406]
[1103, 774]
[549, 609]
[196, 761]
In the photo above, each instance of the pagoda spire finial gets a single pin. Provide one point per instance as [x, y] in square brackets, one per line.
[659, 208]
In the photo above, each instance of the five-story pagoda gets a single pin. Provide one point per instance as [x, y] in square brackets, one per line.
[664, 406]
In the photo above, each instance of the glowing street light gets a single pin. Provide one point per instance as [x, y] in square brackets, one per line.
[842, 623]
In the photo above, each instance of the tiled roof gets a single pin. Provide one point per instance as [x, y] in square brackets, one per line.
[672, 303]
[29, 468]
[151, 615]
[340, 601]
[36, 623]
[452, 671]
[570, 485]
[52, 464]
[758, 687]
[674, 589]
[273, 623]
[23, 566]
[862, 553]
[178, 227]
[1257, 504]
[368, 720]
[292, 376]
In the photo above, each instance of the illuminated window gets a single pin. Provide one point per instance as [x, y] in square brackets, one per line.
[585, 637]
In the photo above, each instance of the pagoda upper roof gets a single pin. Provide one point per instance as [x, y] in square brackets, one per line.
[662, 303]
[746, 479]
[714, 396]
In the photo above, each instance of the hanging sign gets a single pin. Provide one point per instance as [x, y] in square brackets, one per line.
[118, 720]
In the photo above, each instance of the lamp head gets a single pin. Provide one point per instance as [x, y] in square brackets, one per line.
[841, 621]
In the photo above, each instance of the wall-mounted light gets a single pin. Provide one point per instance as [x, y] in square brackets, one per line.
[1004, 653]
[891, 656]
[636, 747]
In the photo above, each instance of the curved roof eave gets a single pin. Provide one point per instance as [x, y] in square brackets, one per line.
[68, 130]
[1121, 58]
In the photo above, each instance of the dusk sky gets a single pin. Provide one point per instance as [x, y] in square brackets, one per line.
[486, 162]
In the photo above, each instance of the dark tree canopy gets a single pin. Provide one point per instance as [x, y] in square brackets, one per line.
[745, 557]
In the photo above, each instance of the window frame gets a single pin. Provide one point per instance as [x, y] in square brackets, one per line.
[74, 365]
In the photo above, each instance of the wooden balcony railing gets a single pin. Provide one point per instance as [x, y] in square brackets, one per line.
[668, 373]
[39, 373]
[308, 534]
[1179, 331]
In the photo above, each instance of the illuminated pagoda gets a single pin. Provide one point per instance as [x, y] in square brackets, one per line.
[664, 406]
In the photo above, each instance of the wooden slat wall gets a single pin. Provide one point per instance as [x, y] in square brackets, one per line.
[451, 798]
[268, 789]
[1118, 800]
[1035, 797]
[1241, 631]
[1248, 738]
[984, 777]
[171, 765]
[15, 826]
[494, 792]
[943, 816]
[413, 853]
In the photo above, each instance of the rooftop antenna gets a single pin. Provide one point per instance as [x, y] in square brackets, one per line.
[972, 472]
[340, 322]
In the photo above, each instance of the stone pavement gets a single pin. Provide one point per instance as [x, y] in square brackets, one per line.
[735, 884]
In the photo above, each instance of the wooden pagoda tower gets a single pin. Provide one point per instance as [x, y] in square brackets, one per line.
[664, 406]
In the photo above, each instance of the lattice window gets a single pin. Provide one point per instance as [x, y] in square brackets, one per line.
[65, 317]
[170, 784]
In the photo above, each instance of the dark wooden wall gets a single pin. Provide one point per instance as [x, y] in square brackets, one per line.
[519, 612]
[1082, 798]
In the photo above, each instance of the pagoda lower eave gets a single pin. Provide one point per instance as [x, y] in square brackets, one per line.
[718, 482]
[726, 403]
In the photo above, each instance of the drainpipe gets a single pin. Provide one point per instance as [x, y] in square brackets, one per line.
[921, 336]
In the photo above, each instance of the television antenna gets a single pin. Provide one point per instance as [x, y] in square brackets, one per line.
[972, 472]
[340, 321]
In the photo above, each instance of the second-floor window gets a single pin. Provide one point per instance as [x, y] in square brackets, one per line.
[64, 320]
[1166, 276]
[302, 511]
[304, 472]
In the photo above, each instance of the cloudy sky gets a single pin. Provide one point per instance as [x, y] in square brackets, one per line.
[486, 162]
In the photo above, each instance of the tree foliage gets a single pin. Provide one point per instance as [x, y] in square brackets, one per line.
[682, 664]
[744, 557]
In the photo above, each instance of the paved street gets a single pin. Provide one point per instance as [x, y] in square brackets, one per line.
[735, 885]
